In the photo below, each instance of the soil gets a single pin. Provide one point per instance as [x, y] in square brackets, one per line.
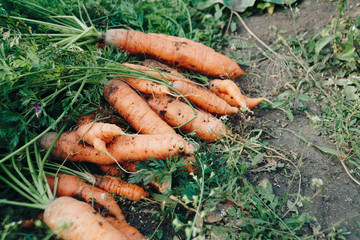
[337, 202]
[311, 16]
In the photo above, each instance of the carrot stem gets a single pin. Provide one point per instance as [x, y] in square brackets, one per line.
[23, 204]
[50, 25]
[78, 37]
[31, 167]
[24, 179]
[22, 191]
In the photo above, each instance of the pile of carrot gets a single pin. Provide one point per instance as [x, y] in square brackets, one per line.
[78, 216]
[159, 114]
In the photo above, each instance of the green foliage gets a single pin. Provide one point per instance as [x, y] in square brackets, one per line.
[38, 88]
[292, 101]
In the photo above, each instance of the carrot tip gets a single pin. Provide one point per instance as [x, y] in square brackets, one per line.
[99, 145]
[48, 139]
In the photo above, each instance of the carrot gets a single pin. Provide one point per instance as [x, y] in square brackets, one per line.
[164, 72]
[103, 113]
[111, 170]
[134, 109]
[186, 40]
[98, 134]
[230, 99]
[73, 186]
[204, 99]
[189, 148]
[177, 113]
[122, 148]
[130, 166]
[189, 168]
[190, 165]
[123, 227]
[230, 88]
[161, 187]
[151, 63]
[76, 220]
[146, 86]
[129, 231]
[29, 223]
[250, 102]
[85, 119]
[175, 52]
[119, 187]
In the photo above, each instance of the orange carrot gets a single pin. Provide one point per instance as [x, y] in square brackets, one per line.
[98, 134]
[119, 187]
[190, 165]
[230, 88]
[76, 220]
[134, 109]
[189, 168]
[27, 223]
[175, 52]
[85, 119]
[73, 186]
[177, 113]
[163, 72]
[183, 40]
[204, 99]
[151, 63]
[129, 231]
[130, 166]
[111, 170]
[160, 186]
[103, 113]
[146, 86]
[122, 148]
[249, 102]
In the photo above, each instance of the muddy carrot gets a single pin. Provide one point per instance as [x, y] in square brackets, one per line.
[177, 113]
[176, 52]
[134, 109]
[204, 99]
[119, 187]
[122, 148]
[73, 186]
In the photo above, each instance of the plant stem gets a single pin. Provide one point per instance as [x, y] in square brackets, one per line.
[200, 199]
[24, 204]
[254, 36]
